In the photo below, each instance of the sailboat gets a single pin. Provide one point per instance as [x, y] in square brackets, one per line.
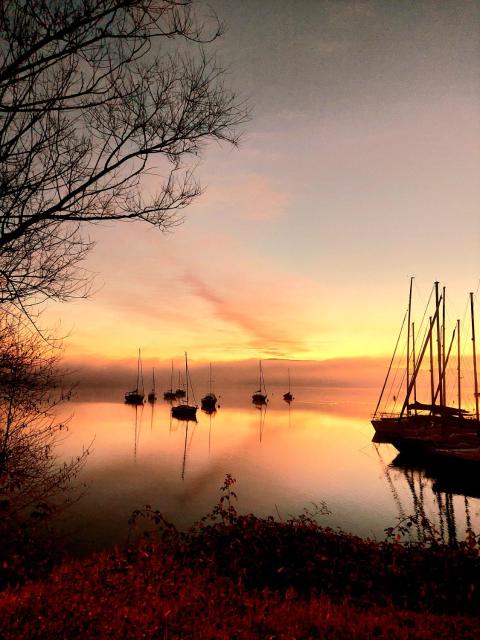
[180, 391]
[288, 397]
[209, 402]
[260, 396]
[186, 411]
[152, 396]
[136, 396]
[428, 425]
[170, 394]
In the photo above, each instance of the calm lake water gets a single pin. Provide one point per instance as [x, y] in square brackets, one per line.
[284, 459]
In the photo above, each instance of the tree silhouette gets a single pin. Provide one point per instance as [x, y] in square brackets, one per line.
[95, 97]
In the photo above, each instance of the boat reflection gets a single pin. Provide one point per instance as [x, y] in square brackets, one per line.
[187, 445]
[262, 408]
[447, 476]
[211, 413]
[137, 428]
[439, 507]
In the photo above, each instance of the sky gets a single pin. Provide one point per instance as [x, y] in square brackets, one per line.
[357, 170]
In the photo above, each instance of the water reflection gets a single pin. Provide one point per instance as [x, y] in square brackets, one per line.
[262, 409]
[318, 450]
[438, 497]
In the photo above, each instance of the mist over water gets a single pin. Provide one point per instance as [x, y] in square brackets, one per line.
[285, 458]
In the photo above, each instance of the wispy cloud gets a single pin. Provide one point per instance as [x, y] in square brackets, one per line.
[266, 333]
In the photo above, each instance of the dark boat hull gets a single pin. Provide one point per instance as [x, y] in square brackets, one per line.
[259, 398]
[432, 437]
[132, 397]
[184, 412]
[209, 402]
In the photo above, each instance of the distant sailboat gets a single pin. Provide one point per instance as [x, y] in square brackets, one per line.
[185, 411]
[170, 395]
[260, 396]
[288, 397]
[136, 396]
[152, 396]
[180, 391]
[209, 402]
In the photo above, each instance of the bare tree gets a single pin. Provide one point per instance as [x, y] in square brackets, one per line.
[34, 487]
[96, 95]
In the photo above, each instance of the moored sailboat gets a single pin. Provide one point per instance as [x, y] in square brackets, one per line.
[180, 391]
[433, 425]
[170, 394]
[260, 396]
[209, 401]
[137, 395]
[152, 396]
[186, 411]
[288, 397]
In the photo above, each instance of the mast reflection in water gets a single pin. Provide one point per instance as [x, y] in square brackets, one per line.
[318, 449]
[438, 496]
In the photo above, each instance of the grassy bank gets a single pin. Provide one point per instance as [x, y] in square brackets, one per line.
[245, 577]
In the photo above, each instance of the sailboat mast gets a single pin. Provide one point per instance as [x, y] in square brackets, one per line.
[458, 369]
[390, 365]
[432, 391]
[138, 369]
[289, 381]
[210, 384]
[439, 345]
[186, 373]
[413, 357]
[419, 361]
[141, 372]
[474, 356]
[171, 378]
[408, 335]
[447, 358]
[154, 378]
[444, 346]
[260, 376]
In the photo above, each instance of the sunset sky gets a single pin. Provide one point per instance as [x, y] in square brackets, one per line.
[359, 168]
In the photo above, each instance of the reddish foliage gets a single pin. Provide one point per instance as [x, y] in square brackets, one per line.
[245, 577]
[152, 595]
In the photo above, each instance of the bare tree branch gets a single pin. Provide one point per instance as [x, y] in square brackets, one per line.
[94, 96]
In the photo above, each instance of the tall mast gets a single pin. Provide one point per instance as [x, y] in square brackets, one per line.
[458, 369]
[138, 369]
[154, 378]
[289, 381]
[474, 356]
[210, 385]
[186, 373]
[447, 358]
[413, 357]
[432, 390]
[419, 361]
[171, 378]
[260, 376]
[390, 365]
[444, 346]
[141, 371]
[408, 335]
[439, 344]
